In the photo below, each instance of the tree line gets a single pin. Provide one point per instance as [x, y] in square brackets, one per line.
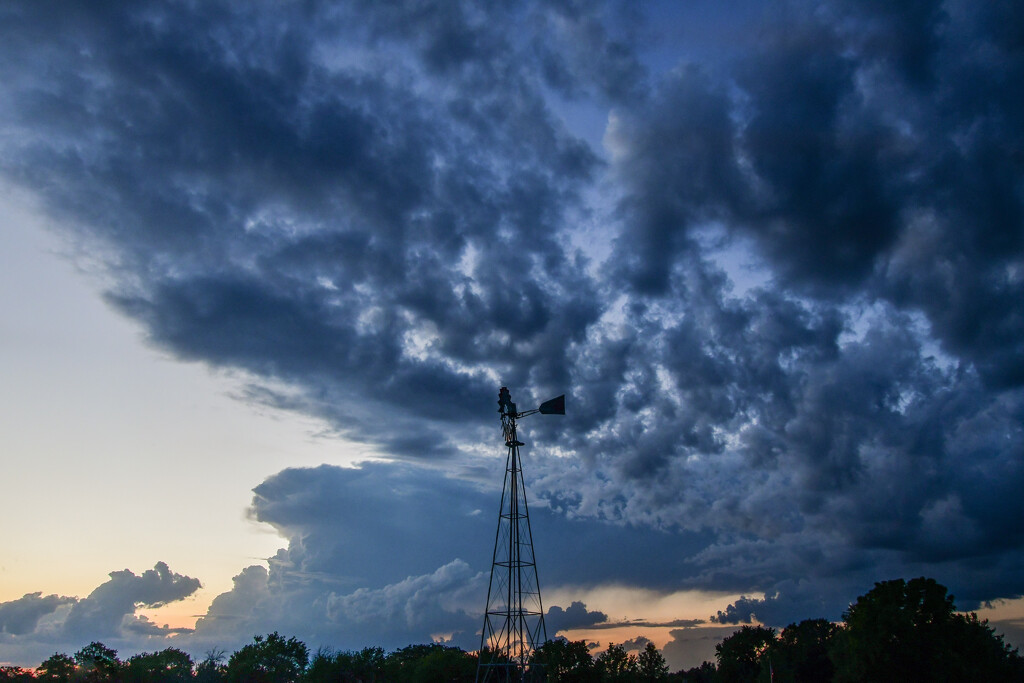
[900, 630]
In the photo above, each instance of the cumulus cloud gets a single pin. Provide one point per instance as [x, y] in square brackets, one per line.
[440, 605]
[21, 616]
[407, 609]
[102, 612]
[798, 370]
[233, 612]
[576, 615]
[34, 626]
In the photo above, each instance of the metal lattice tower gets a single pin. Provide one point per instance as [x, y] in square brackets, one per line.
[514, 618]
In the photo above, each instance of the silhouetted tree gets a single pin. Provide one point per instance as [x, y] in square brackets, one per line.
[324, 668]
[368, 664]
[58, 668]
[97, 662]
[270, 659]
[15, 673]
[434, 663]
[652, 666]
[615, 665]
[705, 673]
[212, 668]
[910, 631]
[907, 631]
[739, 655]
[800, 654]
[167, 666]
[983, 653]
[566, 662]
[365, 666]
[445, 664]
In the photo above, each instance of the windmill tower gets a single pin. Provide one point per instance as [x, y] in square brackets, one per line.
[514, 617]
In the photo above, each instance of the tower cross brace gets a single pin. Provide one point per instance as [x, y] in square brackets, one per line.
[514, 617]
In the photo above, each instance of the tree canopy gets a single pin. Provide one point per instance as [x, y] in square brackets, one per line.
[270, 659]
[910, 630]
[900, 630]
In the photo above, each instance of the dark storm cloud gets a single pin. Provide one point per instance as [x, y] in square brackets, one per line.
[856, 161]
[388, 554]
[334, 518]
[343, 228]
[838, 160]
[812, 420]
[576, 615]
[816, 436]
[371, 210]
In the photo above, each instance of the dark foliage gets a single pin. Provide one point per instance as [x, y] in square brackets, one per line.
[900, 630]
[212, 668]
[15, 673]
[97, 662]
[909, 630]
[56, 667]
[705, 673]
[740, 655]
[566, 661]
[366, 665]
[433, 663]
[167, 666]
[801, 652]
[270, 659]
[651, 665]
[616, 665]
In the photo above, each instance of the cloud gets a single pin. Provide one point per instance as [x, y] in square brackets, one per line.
[1012, 630]
[415, 609]
[133, 624]
[811, 420]
[21, 616]
[691, 647]
[846, 156]
[782, 298]
[332, 239]
[638, 643]
[102, 612]
[336, 584]
[406, 610]
[576, 615]
[34, 626]
[333, 519]
[232, 613]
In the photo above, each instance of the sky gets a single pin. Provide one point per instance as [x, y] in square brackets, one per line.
[265, 265]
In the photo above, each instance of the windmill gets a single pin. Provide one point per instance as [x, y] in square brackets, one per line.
[514, 617]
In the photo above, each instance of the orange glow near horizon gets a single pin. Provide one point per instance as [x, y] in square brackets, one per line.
[180, 614]
[627, 603]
